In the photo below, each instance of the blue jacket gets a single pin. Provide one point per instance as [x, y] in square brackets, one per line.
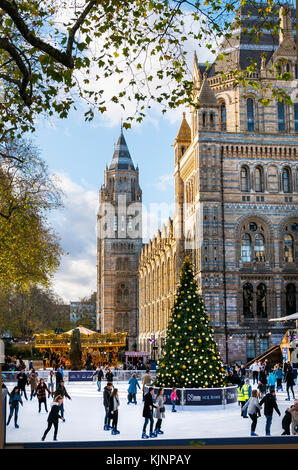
[271, 379]
[133, 384]
[15, 399]
[278, 373]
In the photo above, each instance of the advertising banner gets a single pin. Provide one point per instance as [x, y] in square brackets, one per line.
[196, 397]
[80, 376]
[231, 395]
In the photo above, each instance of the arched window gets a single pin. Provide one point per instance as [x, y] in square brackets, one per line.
[259, 180]
[204, 119]
[244, 177]
[290, 299]
[211, 119]
[288, 248]
[247, 298]
[262, 300]
[246, 248]
[281, 115]
[122, 294]
[296, 116]
[259, 247]
[286, 180]
[223, 117]
[250, 114]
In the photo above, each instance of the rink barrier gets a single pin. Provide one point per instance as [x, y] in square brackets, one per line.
[81, 376]
[200, 396]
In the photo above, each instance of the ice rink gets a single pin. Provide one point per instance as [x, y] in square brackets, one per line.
[84, 416]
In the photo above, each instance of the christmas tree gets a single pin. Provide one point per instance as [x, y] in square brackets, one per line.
[190, 356]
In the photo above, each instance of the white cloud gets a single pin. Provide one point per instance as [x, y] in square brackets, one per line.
[76, 225]
[164, 182]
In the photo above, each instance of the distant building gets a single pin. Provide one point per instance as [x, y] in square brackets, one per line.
[119, 243]
[84, 312]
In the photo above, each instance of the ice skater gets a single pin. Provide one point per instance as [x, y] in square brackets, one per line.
[132, 389]
[174, 398]
[106, 403]
[114, 404]
[42, 395]
[254, 410]
[159, 411]
[22, 382]
[53, 418]
[148, 414]
[14, 402]
[270, 404]
[61, 390]
[33, 382]
[51, 383]
[99, 376]
[290, 382]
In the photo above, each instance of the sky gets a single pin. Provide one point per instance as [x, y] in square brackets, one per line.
[77, 153]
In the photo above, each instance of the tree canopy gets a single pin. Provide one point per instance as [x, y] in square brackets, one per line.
[53, 53]
[30, 251]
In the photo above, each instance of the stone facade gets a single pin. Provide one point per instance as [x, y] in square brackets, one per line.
[119, 242]
[236, 195]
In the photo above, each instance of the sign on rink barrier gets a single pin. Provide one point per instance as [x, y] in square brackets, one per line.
[80, 376]
[201, 396]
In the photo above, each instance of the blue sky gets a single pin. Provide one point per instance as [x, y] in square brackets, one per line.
[77, 152]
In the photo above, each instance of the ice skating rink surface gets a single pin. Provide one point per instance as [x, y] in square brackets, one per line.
[84, 416]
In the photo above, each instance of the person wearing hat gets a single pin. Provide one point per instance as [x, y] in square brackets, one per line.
[293, 411]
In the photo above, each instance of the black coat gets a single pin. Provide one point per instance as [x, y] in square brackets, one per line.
[22, 380]
[109, 376]
[59, 377]
[262, 377]
[61, 390]
[286, 421]
[98, 374]
[148, 401]
[54, 413]
[269, 405]
[106, 397]
[289, 378]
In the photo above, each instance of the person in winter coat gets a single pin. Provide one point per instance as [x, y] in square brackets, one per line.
[174, 398]
[159, 411]
[109, 375]
[41, 394]
[59, 378]
[148, 414]
[113, 410]
[255, 372]
[22, 382]
[53, 418]
[146, 380]
[51, 383]
[106, 403]
[278, 375]
[293, 411]
[270, 404]
[286, 422]
[99, 376]
[267, 367]
[242, 372]
[246, 393]
[271, 380]
[132, 389]
[61, 391]
[262, 389]
[33, 382]
[14, 401]
[289, 379]
[253, 409]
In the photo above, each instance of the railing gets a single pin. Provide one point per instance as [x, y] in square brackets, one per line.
[119, 375]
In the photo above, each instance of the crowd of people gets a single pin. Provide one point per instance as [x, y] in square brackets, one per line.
[257, 388]
[267, 382]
